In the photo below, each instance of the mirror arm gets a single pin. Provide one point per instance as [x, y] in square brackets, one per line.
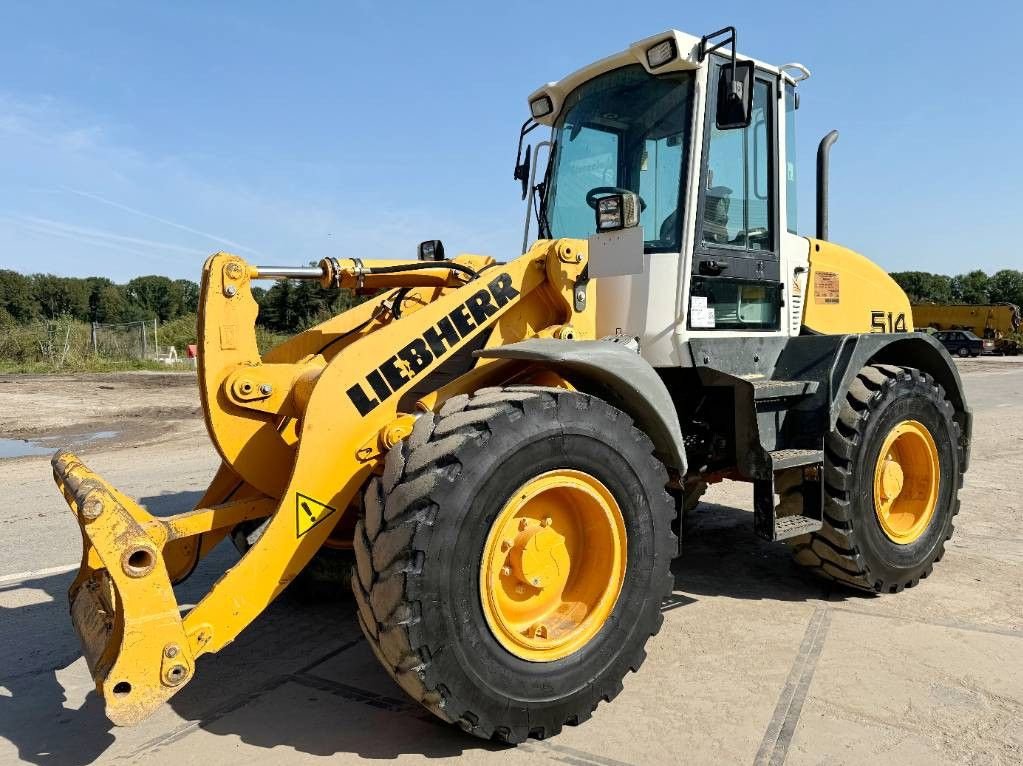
[731, 38]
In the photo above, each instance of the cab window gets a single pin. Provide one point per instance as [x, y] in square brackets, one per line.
[737, 181]
[623, 130]
[791, 206]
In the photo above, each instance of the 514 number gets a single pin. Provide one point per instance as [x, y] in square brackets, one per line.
[881, 321]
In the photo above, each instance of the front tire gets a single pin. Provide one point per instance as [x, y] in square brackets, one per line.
[424, 559]
[892, 473]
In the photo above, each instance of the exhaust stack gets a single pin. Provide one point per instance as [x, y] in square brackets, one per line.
[823, 152]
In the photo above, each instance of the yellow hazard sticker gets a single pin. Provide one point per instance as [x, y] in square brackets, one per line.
[309, 513]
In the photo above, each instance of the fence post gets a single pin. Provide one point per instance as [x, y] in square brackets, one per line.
[142, 327]
[156, 338]
[95, 342]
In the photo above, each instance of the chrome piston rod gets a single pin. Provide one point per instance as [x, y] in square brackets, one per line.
[289, 272]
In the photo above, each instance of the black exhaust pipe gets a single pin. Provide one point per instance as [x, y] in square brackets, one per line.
[823, 150]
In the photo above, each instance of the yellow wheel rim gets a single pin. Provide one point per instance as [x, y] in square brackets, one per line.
[906, 480]
[553, 565]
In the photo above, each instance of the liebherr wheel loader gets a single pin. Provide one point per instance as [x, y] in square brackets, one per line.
[507, 448]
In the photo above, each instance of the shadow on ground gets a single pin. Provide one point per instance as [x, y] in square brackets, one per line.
[301, 676]
[722, 556]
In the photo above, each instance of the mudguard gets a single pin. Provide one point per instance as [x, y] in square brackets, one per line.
[606, 366]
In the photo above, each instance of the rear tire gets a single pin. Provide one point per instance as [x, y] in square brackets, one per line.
[853, 547]
[421, 543]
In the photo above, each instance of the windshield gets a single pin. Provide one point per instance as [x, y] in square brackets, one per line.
[626, 129]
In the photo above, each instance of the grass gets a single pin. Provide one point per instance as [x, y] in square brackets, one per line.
[94, 364]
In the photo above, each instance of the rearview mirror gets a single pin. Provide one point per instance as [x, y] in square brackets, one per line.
[735, 96]
[522, 171]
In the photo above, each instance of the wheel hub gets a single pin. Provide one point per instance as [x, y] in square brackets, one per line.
[892, 479]
[553, 565]
[906, 479]
[538, 556]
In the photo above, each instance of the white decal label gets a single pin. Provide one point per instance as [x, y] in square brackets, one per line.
[700, 314]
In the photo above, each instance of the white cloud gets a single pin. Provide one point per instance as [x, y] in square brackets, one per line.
[78, 197]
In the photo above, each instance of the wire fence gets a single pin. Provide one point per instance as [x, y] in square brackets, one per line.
[131, 340]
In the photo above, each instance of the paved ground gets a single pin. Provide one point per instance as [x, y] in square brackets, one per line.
[755, 663]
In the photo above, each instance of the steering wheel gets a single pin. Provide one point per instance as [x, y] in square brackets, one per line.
[596, 191]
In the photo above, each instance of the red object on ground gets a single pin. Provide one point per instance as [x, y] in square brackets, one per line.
[193, 351]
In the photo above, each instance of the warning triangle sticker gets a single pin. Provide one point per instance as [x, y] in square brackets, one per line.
[309, 513]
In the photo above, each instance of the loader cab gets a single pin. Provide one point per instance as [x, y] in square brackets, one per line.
[716, 196]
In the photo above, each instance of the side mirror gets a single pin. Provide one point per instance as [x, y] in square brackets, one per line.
[522, 171]
[735, 96]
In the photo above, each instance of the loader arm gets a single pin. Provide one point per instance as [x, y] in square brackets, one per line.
[300, 431]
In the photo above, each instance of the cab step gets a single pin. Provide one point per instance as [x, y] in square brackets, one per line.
[766, 522]
[793, 458]
[794, 526]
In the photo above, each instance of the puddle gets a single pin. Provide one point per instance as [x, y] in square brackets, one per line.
[21, 448]
[49, 444]
[96, 435]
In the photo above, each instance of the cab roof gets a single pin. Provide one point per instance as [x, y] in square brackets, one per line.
[688, 58]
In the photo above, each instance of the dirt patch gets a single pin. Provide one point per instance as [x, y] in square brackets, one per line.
[990, 364]
[114, 410]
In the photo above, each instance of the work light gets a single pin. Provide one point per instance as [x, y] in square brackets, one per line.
[662, 53]
[431, 250]
[541, 107]
[617, 211]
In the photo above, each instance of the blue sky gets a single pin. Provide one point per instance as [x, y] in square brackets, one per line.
[137, 138]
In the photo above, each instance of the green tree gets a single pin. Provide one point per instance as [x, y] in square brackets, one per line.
[277, 310]
[189, 296]
[60, 296]
[971, 288]
[924, 287]
[155, 296]
[1006, 286]
[16, 297]
[107, 303]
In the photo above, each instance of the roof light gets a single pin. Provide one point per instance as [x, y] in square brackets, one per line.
[662, 53]
[541, 107]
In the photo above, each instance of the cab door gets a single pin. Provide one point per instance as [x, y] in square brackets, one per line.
[735, 283]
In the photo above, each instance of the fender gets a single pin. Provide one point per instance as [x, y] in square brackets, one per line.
[599, 366]
[917, 350]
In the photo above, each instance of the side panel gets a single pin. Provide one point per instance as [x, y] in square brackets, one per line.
[643, 305]
[830, 361]
[848, 293]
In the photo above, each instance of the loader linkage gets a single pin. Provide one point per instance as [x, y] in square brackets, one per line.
[138, 647]
[300, 431]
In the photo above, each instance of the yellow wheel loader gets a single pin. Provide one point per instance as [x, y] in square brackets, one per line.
[506, 448]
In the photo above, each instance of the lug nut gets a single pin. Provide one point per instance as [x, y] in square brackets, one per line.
[523, 524]
[506, 545]
[506, 571]
[230, 291]
[547, 522]
[266, 389]
[170, 652]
